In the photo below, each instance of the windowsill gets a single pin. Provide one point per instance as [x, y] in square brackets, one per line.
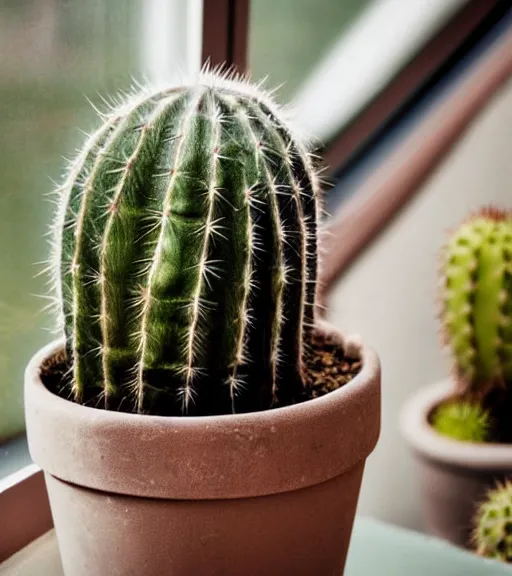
[40, 557]
[14, 456]
[393, 551]
[25, 510]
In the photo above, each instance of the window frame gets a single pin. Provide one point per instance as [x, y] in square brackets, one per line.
[25, 510]
[343, 147]
[380, 197]
[225, 34]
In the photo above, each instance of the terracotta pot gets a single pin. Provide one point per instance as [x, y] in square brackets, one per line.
[455, 476]
[270, 493]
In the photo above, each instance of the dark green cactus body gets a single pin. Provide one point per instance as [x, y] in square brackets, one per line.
[188, 255]
[477, 302]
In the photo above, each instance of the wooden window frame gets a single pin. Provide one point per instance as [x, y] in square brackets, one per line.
[225, 33]
[24, 510]
[401, 176]
[421, 67]
[24, 506]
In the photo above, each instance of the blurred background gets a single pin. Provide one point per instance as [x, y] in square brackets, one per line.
[399, 97]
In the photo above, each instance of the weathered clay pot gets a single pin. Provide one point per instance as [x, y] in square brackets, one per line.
[268, 493]
[455, 476]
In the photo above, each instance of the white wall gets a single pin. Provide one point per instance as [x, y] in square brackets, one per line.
[388, 296]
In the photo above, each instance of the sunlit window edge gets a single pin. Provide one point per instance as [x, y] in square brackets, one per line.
[364, 59]
[167, 57]
[18, 476]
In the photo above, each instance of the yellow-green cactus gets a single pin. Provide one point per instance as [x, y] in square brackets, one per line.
[462, 421]
[187, 254]
[492, 533]
[477, 301]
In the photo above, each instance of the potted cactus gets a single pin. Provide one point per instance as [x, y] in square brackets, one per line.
[194, 417]
[492, 530]
[460, 429]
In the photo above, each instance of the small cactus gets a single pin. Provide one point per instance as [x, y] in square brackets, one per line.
[462, 421]
[477, 302]
[187, 254]
[492, 532]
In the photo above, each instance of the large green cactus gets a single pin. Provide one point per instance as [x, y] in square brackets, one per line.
[477, 301]
[187, 254]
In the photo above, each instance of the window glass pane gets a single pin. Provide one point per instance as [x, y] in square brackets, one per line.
[57, 54]
[334, 57]
[289, 37]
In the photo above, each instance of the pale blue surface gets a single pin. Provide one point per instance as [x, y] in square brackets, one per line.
[379, 549]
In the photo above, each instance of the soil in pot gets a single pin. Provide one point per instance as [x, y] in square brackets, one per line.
[329, 367]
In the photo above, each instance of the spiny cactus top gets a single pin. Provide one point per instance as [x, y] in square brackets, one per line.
[477, 300]
[187, 250]
[462, 421]
[492, 532]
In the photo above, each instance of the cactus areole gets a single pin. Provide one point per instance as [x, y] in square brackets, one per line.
[187, 255]
[477, 301]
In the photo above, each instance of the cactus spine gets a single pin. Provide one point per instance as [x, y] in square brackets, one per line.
[492, 534]
[187, 254]
[477, 303]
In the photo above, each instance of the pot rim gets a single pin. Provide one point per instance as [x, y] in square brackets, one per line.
[429, 444]
[204, 457]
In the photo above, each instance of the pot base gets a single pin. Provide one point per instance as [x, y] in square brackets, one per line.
[108, 534]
